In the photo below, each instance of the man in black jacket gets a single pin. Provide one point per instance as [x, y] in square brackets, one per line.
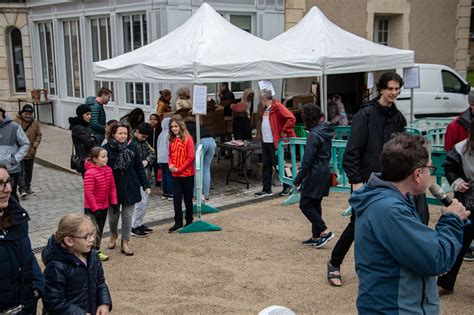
[372, 127]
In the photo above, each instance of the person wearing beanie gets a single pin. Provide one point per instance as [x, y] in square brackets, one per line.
[14, 145]
[32, 129]
[83, 138]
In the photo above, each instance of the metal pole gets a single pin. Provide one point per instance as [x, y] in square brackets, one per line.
[412, 114]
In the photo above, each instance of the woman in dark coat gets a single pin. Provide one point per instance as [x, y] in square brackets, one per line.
[315, 173]
[129, 175]
[83, 138]
[21, 280]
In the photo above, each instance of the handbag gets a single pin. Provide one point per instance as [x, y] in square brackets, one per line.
[333, 180]
[76, 160]
[469, 197]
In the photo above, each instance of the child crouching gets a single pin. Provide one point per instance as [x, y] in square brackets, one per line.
[75, 282]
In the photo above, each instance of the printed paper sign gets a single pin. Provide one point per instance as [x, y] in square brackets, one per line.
[266, 84]
[411, 77]
[199, 99]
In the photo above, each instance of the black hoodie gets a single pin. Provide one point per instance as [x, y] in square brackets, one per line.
[83, 139]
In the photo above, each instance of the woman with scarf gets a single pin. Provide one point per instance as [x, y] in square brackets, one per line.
[241, 116]
[129, 175]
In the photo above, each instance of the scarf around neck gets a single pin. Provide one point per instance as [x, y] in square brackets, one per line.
[125, 155]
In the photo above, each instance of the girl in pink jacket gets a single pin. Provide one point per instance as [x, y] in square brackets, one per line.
[99, 192]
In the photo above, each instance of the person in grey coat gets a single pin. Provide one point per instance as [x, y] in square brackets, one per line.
[314, 174]
[14, 146]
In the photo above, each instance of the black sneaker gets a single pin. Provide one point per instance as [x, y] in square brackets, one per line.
[286, 191]
[30, 192]
[23, 195]
[138, 232]
[324, 239]
[175, 228]
[188, 223]
[146, 229]
[468, 256]
[263, 193]
[310, 242]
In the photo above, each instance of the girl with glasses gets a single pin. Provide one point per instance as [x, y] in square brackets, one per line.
[75, 282]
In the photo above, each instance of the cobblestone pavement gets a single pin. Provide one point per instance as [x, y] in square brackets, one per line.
[59, 192]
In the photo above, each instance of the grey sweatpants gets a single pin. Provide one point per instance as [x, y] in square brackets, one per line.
[127, 213]
[140, 210]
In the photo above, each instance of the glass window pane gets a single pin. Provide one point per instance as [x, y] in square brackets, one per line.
[451, 84]
[103, 39]
[17, 60]
[127, 36]
[95, 40]
[67, 53]
[129, 93]
[51, 71]
[137, 34]
[242, 21]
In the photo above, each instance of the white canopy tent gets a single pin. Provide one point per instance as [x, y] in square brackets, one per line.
[339, 51]
[206, 49]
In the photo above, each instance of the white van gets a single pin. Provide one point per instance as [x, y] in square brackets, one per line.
[442, 93]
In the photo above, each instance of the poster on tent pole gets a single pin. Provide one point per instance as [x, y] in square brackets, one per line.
[199, 99]
[411, 77]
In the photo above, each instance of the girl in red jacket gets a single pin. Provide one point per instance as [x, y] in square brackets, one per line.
[99, 192]
[181, 165]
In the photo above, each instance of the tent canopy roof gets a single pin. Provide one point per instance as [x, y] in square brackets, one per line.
[340, 51]
[205, 49]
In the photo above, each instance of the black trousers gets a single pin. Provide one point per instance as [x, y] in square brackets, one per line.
[311, 209]
[26, 175]
[14, 178]
[99, 217]
[347, 237]
[448, 280]
[269, 163]
[183, 187]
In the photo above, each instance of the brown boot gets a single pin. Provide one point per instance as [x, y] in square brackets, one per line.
[125, 249]
[112, 240]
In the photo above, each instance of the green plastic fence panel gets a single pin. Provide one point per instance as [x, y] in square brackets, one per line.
[413, 131]
[431, 122]
[438, 156]
[436, 136]
[292, 143]
[342, 132]
[300, 131]
[337, 153]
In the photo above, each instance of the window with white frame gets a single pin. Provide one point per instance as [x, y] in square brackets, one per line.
[73, 58]
[48, 65]
[135, 36]
[101, 47]
[381, 30]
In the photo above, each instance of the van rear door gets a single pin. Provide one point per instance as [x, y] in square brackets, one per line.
[454, 95]
[429, 96]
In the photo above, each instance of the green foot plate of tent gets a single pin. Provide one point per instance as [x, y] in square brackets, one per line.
[200, 226]
[204, 209]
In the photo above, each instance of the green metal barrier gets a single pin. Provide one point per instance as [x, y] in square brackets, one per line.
[199, 225]
[438, 157]
[436, 136]
[342, 132]
[337, 153]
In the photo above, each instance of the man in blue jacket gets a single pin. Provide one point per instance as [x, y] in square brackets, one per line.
[398, 257]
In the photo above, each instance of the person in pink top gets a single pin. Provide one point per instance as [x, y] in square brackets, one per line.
[99, 192]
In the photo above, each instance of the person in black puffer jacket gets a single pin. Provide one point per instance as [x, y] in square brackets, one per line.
[21, 280]
[75, 282]
[83, 138]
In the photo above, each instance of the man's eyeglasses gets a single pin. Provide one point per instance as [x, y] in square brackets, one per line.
[3, 184]
[87, 238]
[431, 168]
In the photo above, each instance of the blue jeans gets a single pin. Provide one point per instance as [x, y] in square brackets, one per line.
[166, 179]
[208, 150]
